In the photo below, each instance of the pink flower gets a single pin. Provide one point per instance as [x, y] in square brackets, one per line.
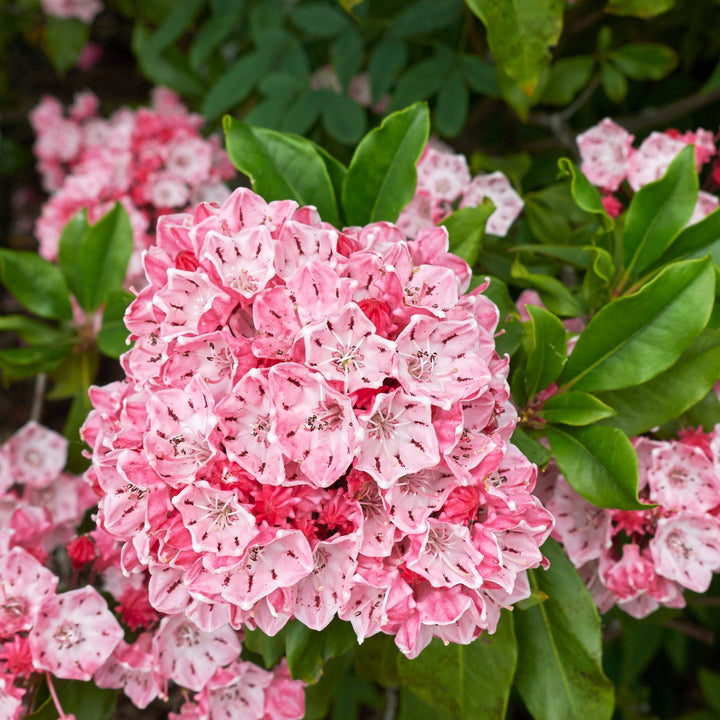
[37, 455]
[508, 204]
[299, 406]
[74, 634]
[605, 149]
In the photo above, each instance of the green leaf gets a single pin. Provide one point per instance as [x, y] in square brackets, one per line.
[381, 178]
[586, 195]
[239, 79]
[568, 76]
[180, 19]
[639, 8]
[23, 273]
[546, 349]
[307, 650]
[599, 462]
[281, 166]
[695, 240]
[645, 61]
[64, 40]
[704, 414]
[270, 648]
[171, 69]
[481, 76]
[520, 32]
[214, 32]
[530, 448]
[575, 408]
[319, 19]
[427, 16]
[421, 81]
[452, 105]
[95, 262]
[659, 211]
[636, 337]
[466, 228]
[670, 393]
[346, 55]
[377, 660]
[555, 294]
[386, 62]
[303, 111]
[112, 338]
[413, 708]
[75, 375]
[342, 117]
[710, 684]
[19, 363]
[559, 673]
[84, 700]
[32, 331]
[613, 82]
[465, 681]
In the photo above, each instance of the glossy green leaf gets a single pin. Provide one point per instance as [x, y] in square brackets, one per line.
[705, 414]
[613, 82]
[599, 462]
[113, 335]
[19, 363]
[636, 337]
[381, 178]
[386, 62]
[670, 393]
[531, 448]
[658, 213]
[95, 261]
[33, 331]
[466, 228]
[568, 76]
[559, 674]
[75, 375]
[639, 8]
[24, 273]
[319, 19]
[307, 650]
[377, 660]
[575, 408]
[586, 195]
[645, 61]
[555, 294]
[520, 33]
[270, 648]
[546, 349]
[281, 166]
[84, 700]
[65, 38]
[693, 241]
[342, 117]
[465, 681]
[452, 105]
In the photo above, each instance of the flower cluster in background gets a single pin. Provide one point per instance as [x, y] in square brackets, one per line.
[84, 10]
[444, 183]
[639, 560]
[73, 634]
[609, 158]
[315, 423]
[151, 160]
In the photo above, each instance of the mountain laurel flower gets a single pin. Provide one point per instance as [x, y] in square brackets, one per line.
[310, 426]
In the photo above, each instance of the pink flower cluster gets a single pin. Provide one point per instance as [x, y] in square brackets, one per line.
[84, 10]
[639, 560]
[315, 423]
[608, 158]
[152, 160]
[74, 634]
[444, 183]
